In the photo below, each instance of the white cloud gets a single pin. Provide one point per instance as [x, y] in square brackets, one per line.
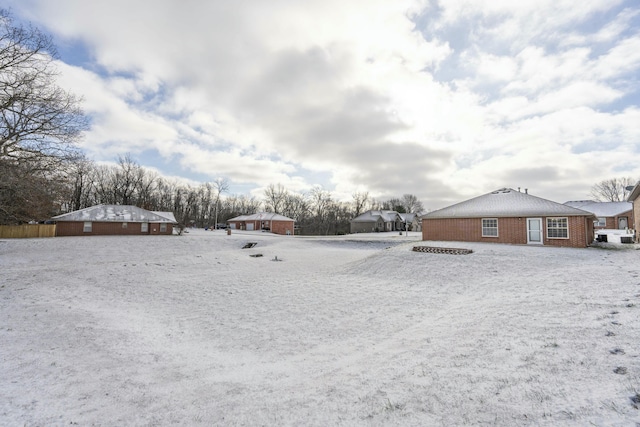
[448, 105]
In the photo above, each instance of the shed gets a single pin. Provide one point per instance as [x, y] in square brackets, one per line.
[609, 215]
[114, 220]
[513, 217]
[263, 221]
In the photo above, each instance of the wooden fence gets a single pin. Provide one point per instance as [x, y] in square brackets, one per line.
[27, 231]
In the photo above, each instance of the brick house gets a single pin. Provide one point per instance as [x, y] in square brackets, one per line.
[512, 217]
[634, 198]
[263, 221]
[114, 220]
[609, 215]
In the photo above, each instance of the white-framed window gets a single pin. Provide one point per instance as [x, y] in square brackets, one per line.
[144, 227]
[88, 226]
[124, 225]
[557, 228]
[163, 227]
[600, 222]
[489, 227]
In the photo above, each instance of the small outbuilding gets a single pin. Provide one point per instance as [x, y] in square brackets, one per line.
[114, 220]
[377, 220]
[263, 221]
[609, 215]
[510, 216]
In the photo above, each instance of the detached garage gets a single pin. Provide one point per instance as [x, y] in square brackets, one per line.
[512, 217]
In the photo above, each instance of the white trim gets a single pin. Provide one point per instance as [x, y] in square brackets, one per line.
[490, 228]
[529, 240]
[552, 218]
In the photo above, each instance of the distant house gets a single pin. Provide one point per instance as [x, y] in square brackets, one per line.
[377, 220]
[634, 198]
[509, 216]
[609, 215]
[412, 221]
[114, 220]
[263, 221]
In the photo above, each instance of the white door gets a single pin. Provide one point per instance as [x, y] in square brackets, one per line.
[250, 226]
[622, 223]
[534, 231]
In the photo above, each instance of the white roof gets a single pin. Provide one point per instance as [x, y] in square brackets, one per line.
[168, 215]
[261, 216]
[506, 202]
[115, 213]
[601, 209]
[374, 215]
[408, 217]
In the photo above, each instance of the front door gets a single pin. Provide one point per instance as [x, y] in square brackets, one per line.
[534, 231]
[622, 223]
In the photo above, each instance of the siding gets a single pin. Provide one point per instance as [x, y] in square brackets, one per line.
[510, 231]
[363, 227]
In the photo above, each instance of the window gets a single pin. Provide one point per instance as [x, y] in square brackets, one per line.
[557, 228]
[163, 227]
[600, 222]
[144, 227]
[490, 227]
[87, 227]
[124, 225]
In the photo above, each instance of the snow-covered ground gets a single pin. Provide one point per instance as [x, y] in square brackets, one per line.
[350, 330]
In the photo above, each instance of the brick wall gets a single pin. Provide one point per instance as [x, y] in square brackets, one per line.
[71, 228]
[510, 231]
[613, 222]
[281, 227]
[636, 216]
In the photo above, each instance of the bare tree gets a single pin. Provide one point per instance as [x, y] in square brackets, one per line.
[296, 206]
[411, 203]
[220, 185]
[26, 194]
[394, 204]
[360, 199]
[39, 121]
[321, 206]
[275, 198]
[612, 190]
[127, 180]
[80, 185]
[39, 125]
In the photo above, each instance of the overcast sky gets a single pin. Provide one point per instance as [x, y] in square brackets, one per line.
[445, 99]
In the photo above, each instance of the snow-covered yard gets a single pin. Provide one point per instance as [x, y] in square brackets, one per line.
[350, 330]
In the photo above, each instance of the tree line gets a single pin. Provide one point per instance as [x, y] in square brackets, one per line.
[43, 173]
[205, 205]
